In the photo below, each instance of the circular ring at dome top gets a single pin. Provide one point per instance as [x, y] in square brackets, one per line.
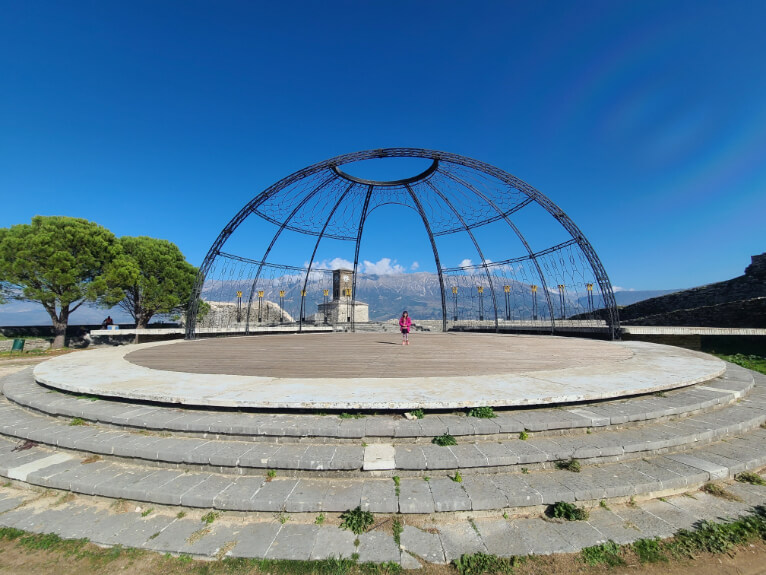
[422, 176]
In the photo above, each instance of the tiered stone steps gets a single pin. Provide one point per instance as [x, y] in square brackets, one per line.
[637, 447]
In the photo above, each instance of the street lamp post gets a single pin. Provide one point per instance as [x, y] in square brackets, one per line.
[480, 289]
[303, 304]
[239, 306]
[326, 293]
[348, 305]
[281, 306]
[534, 302]
[260, 305]
[590, 297]
[507, 290]
[561, 300]
[454, 301]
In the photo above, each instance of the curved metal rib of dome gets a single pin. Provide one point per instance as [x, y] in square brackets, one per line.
[454, 195]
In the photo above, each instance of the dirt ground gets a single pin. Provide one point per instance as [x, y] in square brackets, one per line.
[16, 560]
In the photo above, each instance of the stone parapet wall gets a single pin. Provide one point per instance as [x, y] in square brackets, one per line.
[739, 302]
[29, 344]
[745, 313]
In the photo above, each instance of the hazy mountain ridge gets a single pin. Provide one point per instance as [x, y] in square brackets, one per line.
[420, 294]
[387, 296]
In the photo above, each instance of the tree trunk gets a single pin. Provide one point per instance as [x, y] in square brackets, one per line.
[59, 328]
[142, 322]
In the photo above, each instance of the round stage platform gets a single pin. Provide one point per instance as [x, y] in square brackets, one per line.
[375, 372]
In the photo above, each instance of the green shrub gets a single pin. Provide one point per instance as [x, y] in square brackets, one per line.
[572, 465]
[444, 440]
[356, 520]
[564, 510]
[482, 412]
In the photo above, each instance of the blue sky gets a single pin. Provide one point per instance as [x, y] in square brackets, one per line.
[645, 121]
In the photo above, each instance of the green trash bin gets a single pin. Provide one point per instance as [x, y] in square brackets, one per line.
[18, 345]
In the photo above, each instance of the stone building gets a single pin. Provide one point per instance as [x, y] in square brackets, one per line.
[342, 308]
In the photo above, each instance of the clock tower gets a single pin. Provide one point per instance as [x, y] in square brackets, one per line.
[342, 280]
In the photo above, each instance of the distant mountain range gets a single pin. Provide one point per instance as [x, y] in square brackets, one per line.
[418, 293]
[387, 296]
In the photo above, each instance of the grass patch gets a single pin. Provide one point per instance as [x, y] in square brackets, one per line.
[714, 537]
[319, 519]
[417, 413]
[271, 474]
[397, 529]
[357, 415]
[603, 505]
[210, 516]
[564, 510]
[397, 481]
[356, 520]
[329, 566]
[444, 440]
[754, 362]
[457, 478]
[750, 477]
[572, 465]
[649, 550]
[605, 554]
[482, 412]
[477, 563]
[717, 490]
[78, 421]
[147, 512]
[282, 517]
[523, 436]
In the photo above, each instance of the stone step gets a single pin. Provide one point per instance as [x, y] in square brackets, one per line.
[648, 477]
[300, 537]
[732, 386]
[316, 457]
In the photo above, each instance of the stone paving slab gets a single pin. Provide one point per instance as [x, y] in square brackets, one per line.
[255, 540]
[293, 542]
[166, 531]
[336, 543]
[439, 494]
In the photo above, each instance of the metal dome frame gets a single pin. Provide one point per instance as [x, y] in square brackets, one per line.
[438, 158]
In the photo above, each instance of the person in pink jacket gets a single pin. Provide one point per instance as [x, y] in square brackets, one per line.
[404, 323]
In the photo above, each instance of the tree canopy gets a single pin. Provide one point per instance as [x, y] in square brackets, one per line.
[163, 282]
[62, 262]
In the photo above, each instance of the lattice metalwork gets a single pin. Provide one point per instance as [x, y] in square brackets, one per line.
[548, 280]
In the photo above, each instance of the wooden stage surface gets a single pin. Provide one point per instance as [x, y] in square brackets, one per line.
[350, 355]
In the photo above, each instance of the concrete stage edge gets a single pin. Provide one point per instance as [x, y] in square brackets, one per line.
[588, 370]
